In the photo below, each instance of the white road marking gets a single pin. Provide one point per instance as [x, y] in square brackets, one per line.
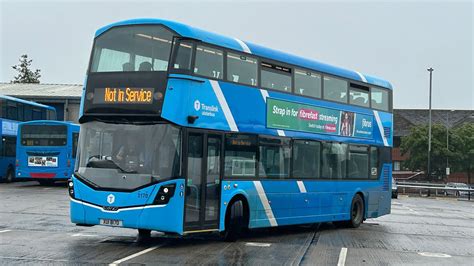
[33, 259]
[84, 235]
[342, 257]
[117, 262]
[4, 231]
[254, 244]
[435, 255]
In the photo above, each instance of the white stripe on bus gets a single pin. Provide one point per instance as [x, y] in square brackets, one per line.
[265, 203]
[119, 210]
[225, 107]
[243, 45]
[379, 125]
[362, 77]
[265, 95]
[301, 186]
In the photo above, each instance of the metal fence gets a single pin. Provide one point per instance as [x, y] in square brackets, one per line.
[438, 189]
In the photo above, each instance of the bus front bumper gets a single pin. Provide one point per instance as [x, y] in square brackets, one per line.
[85, 209]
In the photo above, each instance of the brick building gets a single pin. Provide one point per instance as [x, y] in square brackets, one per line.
[405, 119]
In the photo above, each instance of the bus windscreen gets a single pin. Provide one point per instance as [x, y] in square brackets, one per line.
[42, 135]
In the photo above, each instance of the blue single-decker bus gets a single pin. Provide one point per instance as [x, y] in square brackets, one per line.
[46, 150]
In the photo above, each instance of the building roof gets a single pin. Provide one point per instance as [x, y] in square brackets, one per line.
[246, 47]
[41, 91]
[405, 119]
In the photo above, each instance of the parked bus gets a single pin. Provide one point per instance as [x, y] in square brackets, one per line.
[46, 151]
[186, 131]
[13, 111]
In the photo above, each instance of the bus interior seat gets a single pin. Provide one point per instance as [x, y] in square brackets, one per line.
[359, 101]
[127, 67]
[374, 103]
[145, 66]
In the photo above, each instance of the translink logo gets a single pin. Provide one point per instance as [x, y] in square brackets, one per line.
[197, 105]
[110, 198]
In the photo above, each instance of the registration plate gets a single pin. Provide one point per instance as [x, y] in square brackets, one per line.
[111, 222]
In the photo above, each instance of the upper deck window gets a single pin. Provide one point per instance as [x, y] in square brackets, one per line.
[209, 62]
[276, 77]
[379, 99]
[132, 48]
[359, 95]
[242, 69]
[335, 89]
[307, 83]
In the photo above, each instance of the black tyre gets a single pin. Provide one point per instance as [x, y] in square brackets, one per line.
[357, 212]
[9, 176]
[234, 222]
[46, 182]
[144, 235]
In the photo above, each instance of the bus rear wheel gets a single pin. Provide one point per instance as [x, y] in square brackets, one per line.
[234, 222]
[9, 176]
[357, 212]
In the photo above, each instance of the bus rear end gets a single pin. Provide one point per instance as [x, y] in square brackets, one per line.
[44, 152]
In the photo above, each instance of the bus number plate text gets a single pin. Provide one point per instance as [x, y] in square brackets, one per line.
[111, 222]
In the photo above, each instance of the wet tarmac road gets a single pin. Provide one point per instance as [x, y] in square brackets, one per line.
[35, 229]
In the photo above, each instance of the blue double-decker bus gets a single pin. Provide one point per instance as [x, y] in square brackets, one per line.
[12, 112]
[46, 150]
[186, 131]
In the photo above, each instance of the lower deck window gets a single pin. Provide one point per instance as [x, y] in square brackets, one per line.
[334, 160]
[240, 155]
[358, 167]
[274, 161]
[306, 159]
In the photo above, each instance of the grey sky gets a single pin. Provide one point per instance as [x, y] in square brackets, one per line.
[390, 39]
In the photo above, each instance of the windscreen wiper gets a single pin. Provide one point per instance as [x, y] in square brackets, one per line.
[108, 164]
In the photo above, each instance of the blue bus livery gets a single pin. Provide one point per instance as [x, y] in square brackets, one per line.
[46, 150]
[13, 111]
[186, 131]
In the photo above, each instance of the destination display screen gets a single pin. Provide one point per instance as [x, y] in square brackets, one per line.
[110, 95]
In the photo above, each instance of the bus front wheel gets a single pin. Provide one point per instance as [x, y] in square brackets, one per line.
[357, 212]
[144, 235]
[46, 182]
[234, 222]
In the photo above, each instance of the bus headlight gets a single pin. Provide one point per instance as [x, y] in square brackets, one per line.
[165, 193]
[70, 186]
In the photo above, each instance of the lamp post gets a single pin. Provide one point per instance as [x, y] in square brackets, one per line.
[429, 126]
[447, 143]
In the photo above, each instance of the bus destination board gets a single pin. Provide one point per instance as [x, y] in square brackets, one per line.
[111, 95]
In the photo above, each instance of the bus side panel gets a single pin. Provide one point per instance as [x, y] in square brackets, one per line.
[192, 98]
[279, 202]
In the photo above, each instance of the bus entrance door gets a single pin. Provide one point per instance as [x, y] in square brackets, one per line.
[202, 200]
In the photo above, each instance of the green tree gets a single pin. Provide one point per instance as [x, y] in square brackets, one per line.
[416, 146]
[462, 149]
[25, 75]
